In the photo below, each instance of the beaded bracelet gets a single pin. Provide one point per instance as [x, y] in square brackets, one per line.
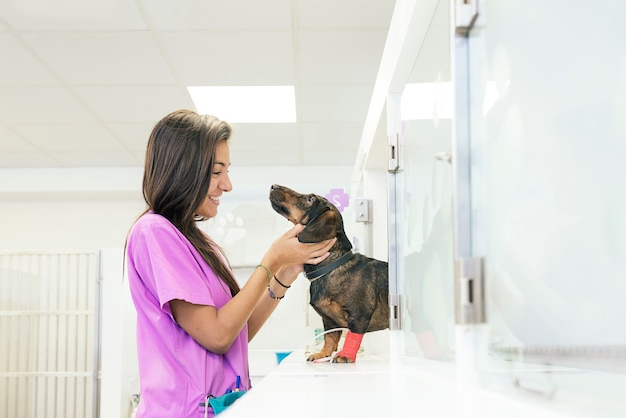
[272, 294]
[269, 272]
[278, 281]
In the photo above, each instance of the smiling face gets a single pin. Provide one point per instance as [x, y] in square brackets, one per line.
[220, 182]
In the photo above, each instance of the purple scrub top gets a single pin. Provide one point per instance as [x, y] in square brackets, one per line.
[176, 373]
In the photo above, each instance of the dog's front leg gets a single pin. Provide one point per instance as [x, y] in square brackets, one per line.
[358, 322]
[351, 345]
[331, 342]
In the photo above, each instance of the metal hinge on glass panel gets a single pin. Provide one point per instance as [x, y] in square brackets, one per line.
[465, 14]
[470, 291]
[394, 153]
[394, 312]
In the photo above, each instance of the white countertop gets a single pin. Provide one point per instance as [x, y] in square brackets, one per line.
[374, 387]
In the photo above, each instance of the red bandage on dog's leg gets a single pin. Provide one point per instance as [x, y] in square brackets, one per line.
[351, 345]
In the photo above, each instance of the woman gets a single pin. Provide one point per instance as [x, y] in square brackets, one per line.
[194, 322]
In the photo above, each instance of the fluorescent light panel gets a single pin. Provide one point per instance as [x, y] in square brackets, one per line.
[246, 104]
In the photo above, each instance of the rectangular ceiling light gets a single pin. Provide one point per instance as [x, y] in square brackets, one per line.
[246, 104]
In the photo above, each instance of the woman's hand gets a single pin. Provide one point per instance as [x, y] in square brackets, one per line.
[287, 250]
[287, 274]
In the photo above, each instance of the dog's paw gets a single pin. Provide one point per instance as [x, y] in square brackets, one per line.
[316, 356]
[342, 359]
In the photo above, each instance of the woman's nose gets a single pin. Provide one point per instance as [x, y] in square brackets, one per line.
[226, 184]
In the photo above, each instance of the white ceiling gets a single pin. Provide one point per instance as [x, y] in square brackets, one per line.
[82, 82]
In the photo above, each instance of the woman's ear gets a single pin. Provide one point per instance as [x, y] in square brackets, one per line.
[321, 228]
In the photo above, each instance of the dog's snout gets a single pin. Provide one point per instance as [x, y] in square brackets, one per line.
[275, 190]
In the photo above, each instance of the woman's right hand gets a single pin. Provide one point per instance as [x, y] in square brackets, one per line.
[287, 250]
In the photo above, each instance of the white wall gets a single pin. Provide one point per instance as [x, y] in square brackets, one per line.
[67, 209]
[89, 209]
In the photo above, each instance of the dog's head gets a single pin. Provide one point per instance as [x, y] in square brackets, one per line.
[322, 219]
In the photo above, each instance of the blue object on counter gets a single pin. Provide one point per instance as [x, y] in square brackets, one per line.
[281, 355]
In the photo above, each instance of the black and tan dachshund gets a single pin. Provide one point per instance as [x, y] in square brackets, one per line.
[348, 289]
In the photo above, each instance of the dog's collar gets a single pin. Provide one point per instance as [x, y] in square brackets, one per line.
[314, 215]
[316, 274]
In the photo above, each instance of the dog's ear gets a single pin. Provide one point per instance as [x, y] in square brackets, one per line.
[321, 228]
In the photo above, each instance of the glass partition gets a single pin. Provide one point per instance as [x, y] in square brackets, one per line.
[426, 244]
[551, 143]
[547, 191]
[544, 91]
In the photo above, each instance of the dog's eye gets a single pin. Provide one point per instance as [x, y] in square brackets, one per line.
[310, 198]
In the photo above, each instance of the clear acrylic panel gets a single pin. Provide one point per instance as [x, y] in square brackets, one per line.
[549, 189]
[426, 242]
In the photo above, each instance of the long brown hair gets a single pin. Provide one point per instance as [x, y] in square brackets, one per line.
[177, 174]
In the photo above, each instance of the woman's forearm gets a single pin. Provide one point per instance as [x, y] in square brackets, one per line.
[268, 303]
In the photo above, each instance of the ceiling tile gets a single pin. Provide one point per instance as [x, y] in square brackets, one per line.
[134, 136]
[71, 15]
[330, 137]
[22, 67]
[73, 138]
[218, 14]
[84, 82]
[353, 58]
[139, 156]
[40, 104]
[11, 142]
[274, 137]
[287, 157]
[133, 103]
[345, 14]
[347, 103]
[102, 58]
[232, 57]
[26, 160]
[96, 159]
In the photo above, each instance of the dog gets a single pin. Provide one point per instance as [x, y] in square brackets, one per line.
[348, 289]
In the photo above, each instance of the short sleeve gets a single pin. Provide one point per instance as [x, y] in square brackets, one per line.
[168, 265]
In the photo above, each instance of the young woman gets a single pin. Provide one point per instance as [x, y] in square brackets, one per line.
[194, 322]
